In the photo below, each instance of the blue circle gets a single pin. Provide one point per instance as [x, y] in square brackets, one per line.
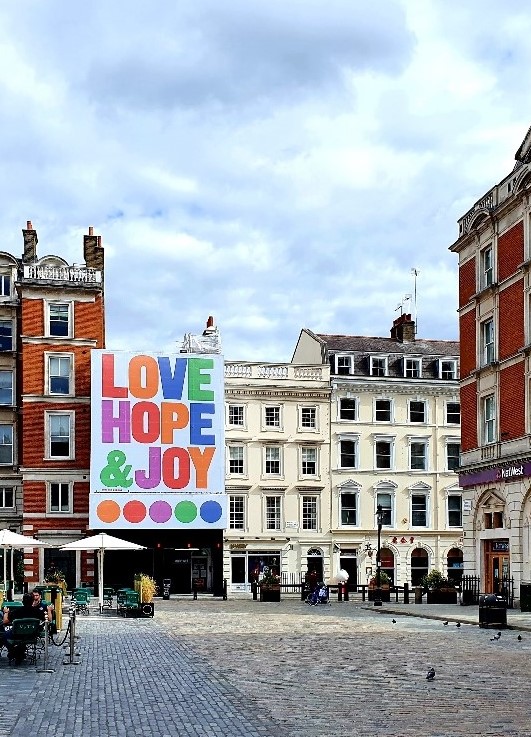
[210, 511]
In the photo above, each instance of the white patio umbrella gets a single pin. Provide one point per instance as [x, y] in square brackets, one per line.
[101, 543]
[11, 541]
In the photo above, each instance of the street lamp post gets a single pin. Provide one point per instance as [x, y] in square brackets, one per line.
[378, 591]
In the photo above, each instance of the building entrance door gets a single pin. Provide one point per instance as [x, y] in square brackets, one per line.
[497, 568]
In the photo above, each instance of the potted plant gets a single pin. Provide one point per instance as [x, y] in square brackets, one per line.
[385, 587]
[439, 589]
[269, 587]
[147, 590]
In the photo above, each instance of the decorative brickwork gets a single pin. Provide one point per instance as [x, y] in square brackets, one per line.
[467, 333]
[511, 322]
[512, 401]
[467, 281]
[510, 251]
[469, 405]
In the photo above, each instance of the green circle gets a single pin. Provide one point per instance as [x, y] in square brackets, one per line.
[186, 511]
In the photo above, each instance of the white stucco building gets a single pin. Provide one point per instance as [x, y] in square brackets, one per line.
[277, 471]
[394, 441]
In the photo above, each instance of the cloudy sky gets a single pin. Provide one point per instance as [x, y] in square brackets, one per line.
[279, 164]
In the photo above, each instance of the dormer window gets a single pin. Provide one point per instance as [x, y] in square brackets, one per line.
[448, 369]
[5, 285]
[412, 368]
[343, 365]
[378, 365]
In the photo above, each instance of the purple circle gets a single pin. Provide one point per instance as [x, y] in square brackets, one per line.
[160, 511]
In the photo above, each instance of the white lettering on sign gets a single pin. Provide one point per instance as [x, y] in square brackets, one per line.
[511, 471]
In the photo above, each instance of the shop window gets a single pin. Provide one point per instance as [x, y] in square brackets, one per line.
[387, 563]
[454, 563]
[419, 566]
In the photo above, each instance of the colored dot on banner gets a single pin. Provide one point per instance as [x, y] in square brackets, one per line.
[108, 510]
[134, 511]
[185, 511]
[160, 511]
[211, 511]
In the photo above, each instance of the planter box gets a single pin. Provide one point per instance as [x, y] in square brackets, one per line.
[385, 591]
[441, 596]
[270, 593]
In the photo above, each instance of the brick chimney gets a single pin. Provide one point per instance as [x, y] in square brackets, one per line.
[93, 250]
[403, 329]
[30, 244]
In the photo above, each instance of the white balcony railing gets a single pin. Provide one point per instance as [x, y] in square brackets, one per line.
[275, 372]
[79, 274]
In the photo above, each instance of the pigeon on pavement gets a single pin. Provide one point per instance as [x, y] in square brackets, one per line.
[519, 638]
[446, 623]
[430, 675]
[458, 624]
[496, 637]
[393, 621]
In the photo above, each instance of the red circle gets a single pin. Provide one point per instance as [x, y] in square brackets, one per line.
[134, 511]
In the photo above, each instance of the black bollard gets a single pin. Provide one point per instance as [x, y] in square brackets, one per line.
[194, 589]
[346, 591]
[406, 593]
[224, 589]
[254, 590]
[340, 591]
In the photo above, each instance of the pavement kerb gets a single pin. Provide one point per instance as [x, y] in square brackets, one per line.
[441, 618]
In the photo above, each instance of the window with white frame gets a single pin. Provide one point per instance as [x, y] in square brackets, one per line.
[383, 453]
[343, 365]
[59, 319]
[417, 411]
[6, 387]
[60, 497]
[487, 337]
[453, 413]
[348, 409]
[60, 434]
[448, 369]
[378, 365]
[412, 368]
[308, 461]
[273, 512]
[385, 499]
[6, 335]
[453, 451]
[6, 445]
[5, 285]
[348, 452]
[382, 410]
[236, 460]
[349, 508]
[236, 415]
[7, 497]
[419, 510]
[308, 418]
[236, 512]
[455, 510]
[272, 416]
[489, 419]
[60, 374]
[309, 512]
[418, 455]
[487, 267]
[272, 457]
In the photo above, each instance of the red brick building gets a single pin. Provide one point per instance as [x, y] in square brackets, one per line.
[494, 249]
[60, 319]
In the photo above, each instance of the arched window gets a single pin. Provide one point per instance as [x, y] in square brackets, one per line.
[419, 565]
[455, 565]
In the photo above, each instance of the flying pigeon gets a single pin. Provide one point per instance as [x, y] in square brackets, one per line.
[430, 675]
[458, 624]
[446, 623]
[519, 638]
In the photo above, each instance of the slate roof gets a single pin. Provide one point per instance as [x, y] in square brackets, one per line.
[372, 345]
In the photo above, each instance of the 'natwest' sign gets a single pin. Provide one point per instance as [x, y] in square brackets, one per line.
[491, 475]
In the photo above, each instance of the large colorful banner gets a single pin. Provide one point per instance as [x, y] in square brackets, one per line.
[157, 441]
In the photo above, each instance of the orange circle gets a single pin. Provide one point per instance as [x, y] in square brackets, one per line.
[134, 511]
[108, 511]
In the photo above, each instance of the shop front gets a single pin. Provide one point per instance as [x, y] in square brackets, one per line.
[248, 566]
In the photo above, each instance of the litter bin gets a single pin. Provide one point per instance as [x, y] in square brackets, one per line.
[418, 594]
[166, 586]
[492, 611]
[525, 597]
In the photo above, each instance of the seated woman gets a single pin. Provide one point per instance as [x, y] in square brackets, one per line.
[26, 611]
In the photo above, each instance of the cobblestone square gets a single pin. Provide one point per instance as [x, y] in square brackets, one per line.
[239, 667]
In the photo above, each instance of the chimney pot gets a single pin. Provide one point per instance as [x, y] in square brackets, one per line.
[210, 322]
[29, 226]
[91, 230]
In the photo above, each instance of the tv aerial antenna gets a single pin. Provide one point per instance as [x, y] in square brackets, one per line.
[414, 273]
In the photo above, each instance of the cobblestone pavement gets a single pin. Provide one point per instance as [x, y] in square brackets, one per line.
[234, 668]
